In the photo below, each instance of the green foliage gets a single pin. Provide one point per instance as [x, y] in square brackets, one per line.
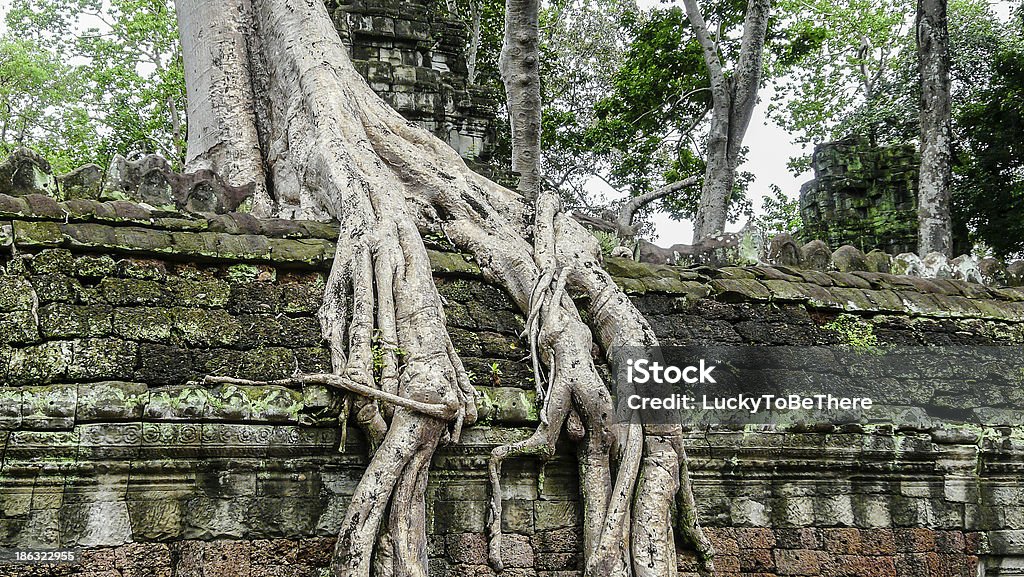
[660, 89]
[857, 73]
[990, 171]
[378, 348]
[779, 213]
[608, 241]
[114, 82]
[582, 43]
[828, 97]
[841, 63]
[650, 128]
[33, 81]
[856, 333]
[624, 94]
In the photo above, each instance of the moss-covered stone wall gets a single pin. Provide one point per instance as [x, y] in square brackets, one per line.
[111, 314]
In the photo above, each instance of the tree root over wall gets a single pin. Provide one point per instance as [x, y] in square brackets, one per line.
[273, 96]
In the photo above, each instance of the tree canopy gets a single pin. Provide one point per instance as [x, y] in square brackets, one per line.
[105, 78]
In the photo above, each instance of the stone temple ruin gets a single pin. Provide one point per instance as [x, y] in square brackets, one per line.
[414, 58]
[119, 292]
[862, 196]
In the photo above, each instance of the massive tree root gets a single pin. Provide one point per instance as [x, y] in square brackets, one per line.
[330, 147]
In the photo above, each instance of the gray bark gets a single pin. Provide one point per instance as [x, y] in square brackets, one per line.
[222, 128]
[473, 50]
[332, 149]
[733, 100]
[520, 72]
[934, 222]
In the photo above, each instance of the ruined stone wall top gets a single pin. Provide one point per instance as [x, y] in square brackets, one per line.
[862, 195]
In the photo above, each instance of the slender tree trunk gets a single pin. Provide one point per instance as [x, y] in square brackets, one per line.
[329, 147]
[473, 50]
[719, 177]
[520, 72]
[733, 100]
[935, 230]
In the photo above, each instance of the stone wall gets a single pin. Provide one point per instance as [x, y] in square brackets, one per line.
[414, 57]
[111, 313]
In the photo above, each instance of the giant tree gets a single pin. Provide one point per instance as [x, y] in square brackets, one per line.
[275, 103]
[733, 98]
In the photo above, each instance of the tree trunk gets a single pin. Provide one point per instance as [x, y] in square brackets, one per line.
[719, 178]
[330, 148]
[733, 101]
[473, 50]
[935, 228]
[520, 71]
[220, 105]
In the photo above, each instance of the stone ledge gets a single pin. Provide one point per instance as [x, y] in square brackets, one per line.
[37, 222]
[66, 407]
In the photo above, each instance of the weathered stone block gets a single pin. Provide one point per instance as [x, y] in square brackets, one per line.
[94, 359]
[264, 404]
[177, 403]
[565, 540]
[167, 365]
[755, 538]
[448, 517]
[49, 407]
[11, 404]
[111, 400]
[212, 293]
[129, 292]
[37, 233]
[16, 294]
[797, 561]
[207, 518]
[39, 364]
[62, 320]
[94, 266]
[18, 327]
[101, 523]
[470, 548]
[205, 327]
[143, 323]
[517, 516]
[550, 515]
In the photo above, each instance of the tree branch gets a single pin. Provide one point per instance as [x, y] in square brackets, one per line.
[719, 87]
[748, 73]
[624, 219]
